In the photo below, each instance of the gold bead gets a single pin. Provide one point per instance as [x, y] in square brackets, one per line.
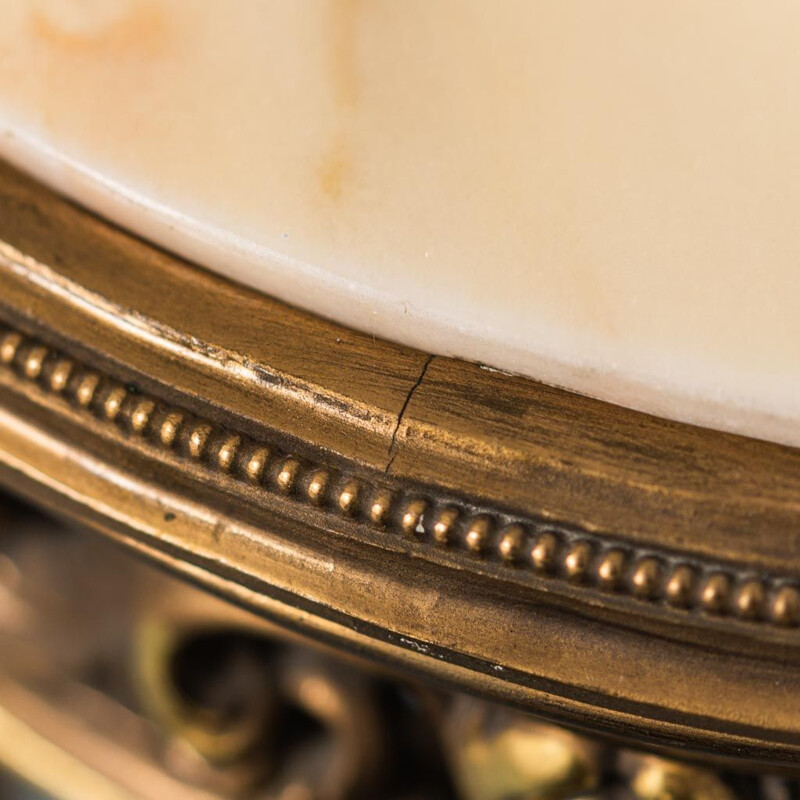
[59, 377]
[112, 405]
[348, 497]
[86, 389]
[715, 593]
[411, 521]
[544, 552]
[228, 450]
[317, 486]
[198, 439]
[576, 561]
[140, 418]
[750, 600]
[785, 607]
[444, 526]
[645, 578]
[510, 545]
[170, 428]
[477, 535]
[680, 585]
[611, 569]
[380, 507]
[9, 345]
[256, 464]
[287, 475]
[34, 362]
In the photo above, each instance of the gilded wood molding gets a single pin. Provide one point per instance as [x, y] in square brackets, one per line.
[621, 572]
[546, 548]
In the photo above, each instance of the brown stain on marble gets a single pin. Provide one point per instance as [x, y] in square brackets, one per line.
[140, 26]
[345, 15]
[336, 169]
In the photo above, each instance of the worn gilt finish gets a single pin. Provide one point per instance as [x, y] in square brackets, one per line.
[546, 548]
[624, 573]
[200, 699]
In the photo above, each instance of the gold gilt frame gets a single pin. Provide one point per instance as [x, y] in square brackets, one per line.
[622, 573]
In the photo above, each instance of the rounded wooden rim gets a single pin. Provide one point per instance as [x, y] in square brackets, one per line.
[603, 567]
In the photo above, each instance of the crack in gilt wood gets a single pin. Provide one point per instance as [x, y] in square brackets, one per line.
[393, 444]
[553, 551]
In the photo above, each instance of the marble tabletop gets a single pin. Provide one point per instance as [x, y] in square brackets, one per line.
[603, 196]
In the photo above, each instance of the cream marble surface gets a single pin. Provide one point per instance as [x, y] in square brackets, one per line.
[602, 195]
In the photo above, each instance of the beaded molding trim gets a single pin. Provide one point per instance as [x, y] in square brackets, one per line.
[548, 550]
